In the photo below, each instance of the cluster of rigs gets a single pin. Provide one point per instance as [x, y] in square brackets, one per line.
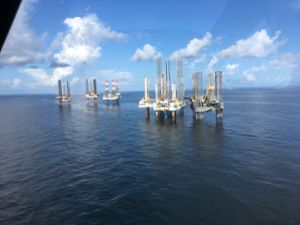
[169, 97]
[91, 93]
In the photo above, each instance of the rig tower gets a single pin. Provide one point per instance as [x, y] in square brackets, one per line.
[212, 100]
[91, 93]
[64, 93]
[114, 95]
[166, 100]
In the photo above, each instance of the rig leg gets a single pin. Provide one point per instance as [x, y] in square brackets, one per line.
[199, 116]
[181, 112]
[162, 115]
[147, 113]
[219, 113]
[156, 115]
[174, 116]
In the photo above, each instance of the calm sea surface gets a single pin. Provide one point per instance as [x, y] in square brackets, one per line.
[83, 164]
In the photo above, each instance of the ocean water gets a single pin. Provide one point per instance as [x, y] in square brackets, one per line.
[106, 164]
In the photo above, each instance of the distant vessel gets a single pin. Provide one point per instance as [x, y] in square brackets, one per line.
[64, 93]
[113, 95]
[91, 93]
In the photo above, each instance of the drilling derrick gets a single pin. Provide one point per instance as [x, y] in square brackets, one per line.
[64, 93]
[180, 85]
[91, 93]
[212, 100]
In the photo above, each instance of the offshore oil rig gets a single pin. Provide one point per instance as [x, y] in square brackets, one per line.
[168, 101]
[212, 100]
[64, 94]
[113, 95]
[91, 93]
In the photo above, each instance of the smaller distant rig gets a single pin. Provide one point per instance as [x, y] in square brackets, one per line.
[64, 93]
[212, 100]
[114, 95]
[91, 93]
[169, 97]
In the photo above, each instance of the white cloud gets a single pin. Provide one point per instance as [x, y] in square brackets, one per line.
[22, 45]
[258, 45]
[81, 42]
[79, 45]
[44, 79]
[148, 52]
[193, 47]
[250, 74]
[286, 60]
[199, 60]
[281, 80]
[74, 80]
[212, 62]
[295, 5]
[124, 77]
[231, 69]
[13, 83]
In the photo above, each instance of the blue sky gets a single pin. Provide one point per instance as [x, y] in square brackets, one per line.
[255, 43]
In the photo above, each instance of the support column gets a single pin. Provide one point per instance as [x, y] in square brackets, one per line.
[219, 113]
[147, 113]
[156, 115]
[199, 116]
[174, 116]
[181, 111]
[169, 114]
[162, 115]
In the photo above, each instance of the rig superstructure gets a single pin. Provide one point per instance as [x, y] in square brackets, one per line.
[91, 93]
[212, 100]
[64, 93]
[167, 100]
[113, 95]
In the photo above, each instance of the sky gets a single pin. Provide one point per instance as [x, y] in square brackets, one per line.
[254, 43]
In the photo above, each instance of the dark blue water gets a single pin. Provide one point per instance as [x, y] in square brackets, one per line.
[108, 165]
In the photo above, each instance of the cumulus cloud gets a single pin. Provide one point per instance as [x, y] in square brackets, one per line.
[193, 47]
[281, 80]
[258, 45]
[295, 5]
[22, 45]
[12, 83]
[231, 69]
[148, 52]
[250, 74]
[124, 77]
[286, 60]
[199, 60]
[212, 62]
[81, 42]
[45, 79]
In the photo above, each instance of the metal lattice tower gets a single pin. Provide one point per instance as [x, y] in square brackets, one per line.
[218, 84]
[197, 86]
[95, 86]
[180, 84]
[158, 76]
[68, 89]
[210, 86]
